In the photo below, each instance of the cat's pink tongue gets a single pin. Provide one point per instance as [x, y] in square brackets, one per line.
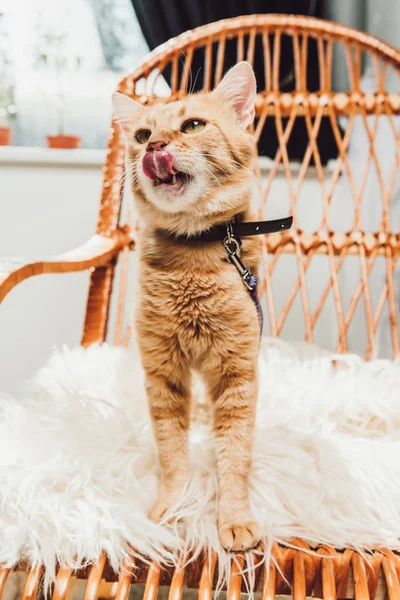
[158, 163]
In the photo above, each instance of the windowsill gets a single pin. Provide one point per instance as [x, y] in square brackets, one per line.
[84, 158]
[23, 155]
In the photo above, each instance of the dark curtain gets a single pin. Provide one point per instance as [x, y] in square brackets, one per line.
[161, 20]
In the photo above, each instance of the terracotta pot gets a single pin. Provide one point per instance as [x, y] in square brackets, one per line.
[5, 136]
[63, 141]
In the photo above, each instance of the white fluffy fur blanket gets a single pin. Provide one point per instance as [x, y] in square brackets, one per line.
[78, 467]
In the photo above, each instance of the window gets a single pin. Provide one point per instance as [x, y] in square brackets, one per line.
[67, 57]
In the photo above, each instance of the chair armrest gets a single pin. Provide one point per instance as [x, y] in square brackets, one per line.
[97, 251]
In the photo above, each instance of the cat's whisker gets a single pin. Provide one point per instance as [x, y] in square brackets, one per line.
[215, 177]
[193, 85]
[120, 180]
[227, 159]
[226, 173]
[237, 165]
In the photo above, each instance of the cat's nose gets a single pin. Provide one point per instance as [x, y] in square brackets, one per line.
[159, 145]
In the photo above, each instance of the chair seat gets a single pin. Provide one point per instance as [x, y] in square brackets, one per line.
[321, 572]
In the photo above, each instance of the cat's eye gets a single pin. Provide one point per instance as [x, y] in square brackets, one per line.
[193, 126]
[143, 135]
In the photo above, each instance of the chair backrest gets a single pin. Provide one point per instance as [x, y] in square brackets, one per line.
[332, 277]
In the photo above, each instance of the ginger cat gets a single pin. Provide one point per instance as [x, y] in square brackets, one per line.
[189, 167]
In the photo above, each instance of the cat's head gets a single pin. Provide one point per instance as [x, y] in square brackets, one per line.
[192, 156]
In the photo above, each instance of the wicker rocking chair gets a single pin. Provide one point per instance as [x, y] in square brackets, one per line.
[327, 573]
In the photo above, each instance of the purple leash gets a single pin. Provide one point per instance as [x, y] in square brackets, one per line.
[254, 296]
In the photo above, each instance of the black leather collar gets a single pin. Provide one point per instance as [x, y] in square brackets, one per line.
[239, 230]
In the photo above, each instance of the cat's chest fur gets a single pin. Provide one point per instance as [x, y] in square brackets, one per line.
[192, 295]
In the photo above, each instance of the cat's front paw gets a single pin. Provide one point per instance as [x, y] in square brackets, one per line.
[240, 535]
[168, 500]
[158, 513]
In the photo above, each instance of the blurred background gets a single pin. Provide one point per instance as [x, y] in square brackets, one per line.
[60, 61]
[59, 64]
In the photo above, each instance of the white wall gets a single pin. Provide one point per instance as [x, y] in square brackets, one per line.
[48, 204]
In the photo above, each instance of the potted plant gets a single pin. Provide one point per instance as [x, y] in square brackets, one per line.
[6, 89]
[60, 60]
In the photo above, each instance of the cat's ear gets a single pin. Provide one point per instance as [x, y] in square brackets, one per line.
[238, 89]
[125, 111]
